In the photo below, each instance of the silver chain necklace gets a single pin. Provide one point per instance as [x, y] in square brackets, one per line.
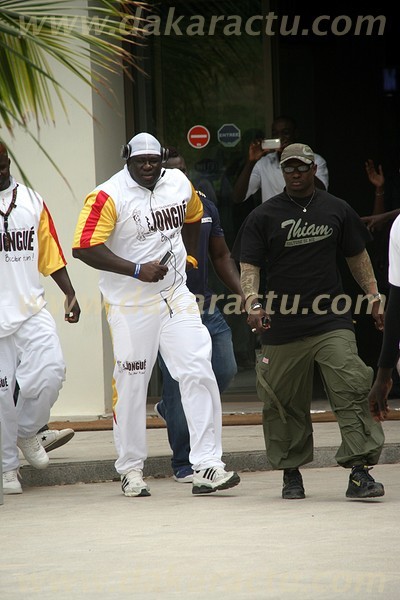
[304, 208]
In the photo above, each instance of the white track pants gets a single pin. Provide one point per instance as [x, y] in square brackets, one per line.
[32, 356]
[185, 345]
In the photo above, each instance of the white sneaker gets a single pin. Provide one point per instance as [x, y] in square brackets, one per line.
[54, 438]
[33, 451]
[11, 484]
[133, 484]
[213, 479]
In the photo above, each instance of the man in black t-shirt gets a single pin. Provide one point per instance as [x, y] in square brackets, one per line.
[305, 319]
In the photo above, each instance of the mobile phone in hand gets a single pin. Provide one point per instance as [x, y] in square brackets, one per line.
[166, 258]
[271, 144]
[266, 322]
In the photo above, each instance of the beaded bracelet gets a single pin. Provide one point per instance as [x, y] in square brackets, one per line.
[137, 271]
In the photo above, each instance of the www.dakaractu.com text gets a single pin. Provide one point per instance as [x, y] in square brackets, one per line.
[177, 24]
[284, 304]
[232, 304]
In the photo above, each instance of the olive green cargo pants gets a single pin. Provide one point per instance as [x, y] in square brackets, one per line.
[285, 376]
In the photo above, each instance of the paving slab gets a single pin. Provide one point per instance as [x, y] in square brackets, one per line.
[89, 542]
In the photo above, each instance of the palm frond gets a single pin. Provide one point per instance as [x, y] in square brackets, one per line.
[41, 148]
[89, 45]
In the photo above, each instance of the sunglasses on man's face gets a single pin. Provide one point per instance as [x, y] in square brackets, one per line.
[299, 169]
[153, 161]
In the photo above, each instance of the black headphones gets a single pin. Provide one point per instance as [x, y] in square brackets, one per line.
[126, 152]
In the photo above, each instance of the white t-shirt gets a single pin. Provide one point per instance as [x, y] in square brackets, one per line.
[394, 253]
[267, 175]
[139, 225]
[34, 249]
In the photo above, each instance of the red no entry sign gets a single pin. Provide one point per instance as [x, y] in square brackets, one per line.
[198, 136]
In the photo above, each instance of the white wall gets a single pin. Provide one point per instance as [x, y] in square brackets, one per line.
[87, 152]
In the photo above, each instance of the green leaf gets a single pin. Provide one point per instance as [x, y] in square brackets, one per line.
[33, 33]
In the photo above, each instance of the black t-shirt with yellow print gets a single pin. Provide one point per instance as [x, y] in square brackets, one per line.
[299, 251]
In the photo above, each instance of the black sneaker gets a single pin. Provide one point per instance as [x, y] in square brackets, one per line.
[363, 485]
[293, 488]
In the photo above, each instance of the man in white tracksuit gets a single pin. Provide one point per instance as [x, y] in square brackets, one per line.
[127, 225]
[30, 351]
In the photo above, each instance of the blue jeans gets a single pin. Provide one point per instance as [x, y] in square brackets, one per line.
[170, 406]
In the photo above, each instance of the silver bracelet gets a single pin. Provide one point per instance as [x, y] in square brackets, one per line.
[256, 305]
[374, 298]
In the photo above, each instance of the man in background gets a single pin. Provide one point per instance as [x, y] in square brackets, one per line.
[211, 245]
[263, 170]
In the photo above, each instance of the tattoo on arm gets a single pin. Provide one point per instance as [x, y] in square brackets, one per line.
[250, 282]
[362, 271]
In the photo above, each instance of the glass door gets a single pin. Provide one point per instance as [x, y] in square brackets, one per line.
[213, 96]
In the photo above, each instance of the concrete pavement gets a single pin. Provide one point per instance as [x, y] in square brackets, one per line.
[89, 542]
[86, 540]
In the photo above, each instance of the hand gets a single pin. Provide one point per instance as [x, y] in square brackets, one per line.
[375, 221]
[72, 309]
[377, 398]
[152, 272]
[258, 320]
[378, 315]
[376, 177]
[256, 152]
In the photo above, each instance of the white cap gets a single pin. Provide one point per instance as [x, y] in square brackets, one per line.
[144, 143]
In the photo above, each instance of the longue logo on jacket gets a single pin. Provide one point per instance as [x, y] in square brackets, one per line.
[166, 219]
[132, 367]
[20, 240]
